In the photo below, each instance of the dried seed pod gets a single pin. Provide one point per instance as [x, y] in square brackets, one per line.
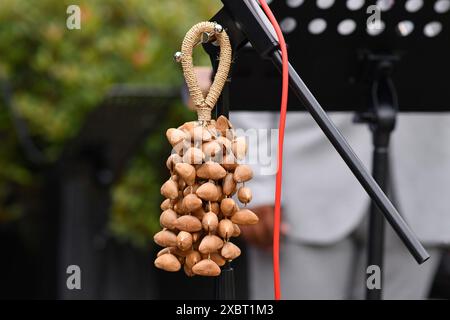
[222, 125]
[188, 223]
[229, 185]
[225, 229]
[210, 244]
[214, 207]
[170, 189]
[211, 149]
[229, 161]
[188, 271]
[168, 262]
[193, 156]
[245, 195]
[242, 173]
[245, 217]
[211, 170]
[192, 258]
[184, 240]
[227, 207]
[210, 222]
[192, 202]
[217, 258]
[208, 192]
[173, 159]
[230, 251]
[239, 147]
[175, 136]
[168, 218]
[186, 172]
[165, 238]
[166, 204]
[207, 268]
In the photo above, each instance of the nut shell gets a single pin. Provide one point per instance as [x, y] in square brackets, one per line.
[184, 240]
[192, 202]
[227, 207]
[186, 172]
[208, 192]
[166, 204]
[188, 223]
[229, 185]
[175, 136]
[244, 217]
[170, 189]
[210, 244]
[165, 238]
[168, 262]
[211, 170]
[192, 258]
[168, 219]
[210, 222]
[230, 251]
[193, 156]
[243, 173]
[225, 229]
[239, 147]
[244, 195]
[206, 268]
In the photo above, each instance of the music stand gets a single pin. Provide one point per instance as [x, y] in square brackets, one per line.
[369, 66]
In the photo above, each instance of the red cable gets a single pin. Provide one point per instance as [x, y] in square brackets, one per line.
[282, 125]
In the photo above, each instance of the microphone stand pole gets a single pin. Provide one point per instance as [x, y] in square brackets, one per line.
[381, 119]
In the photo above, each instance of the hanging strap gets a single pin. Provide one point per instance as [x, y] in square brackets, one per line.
[204, 105]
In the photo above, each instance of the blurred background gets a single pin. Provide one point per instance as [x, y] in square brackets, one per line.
[82, 155]
[83, 115]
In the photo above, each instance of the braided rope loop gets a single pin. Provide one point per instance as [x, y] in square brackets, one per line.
[204, 105]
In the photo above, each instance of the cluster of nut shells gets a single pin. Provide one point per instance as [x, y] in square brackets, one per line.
[199, 215]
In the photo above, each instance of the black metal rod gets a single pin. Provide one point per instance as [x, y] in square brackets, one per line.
[224, 284]
[353, 162]
[375, 244]
[381, 118]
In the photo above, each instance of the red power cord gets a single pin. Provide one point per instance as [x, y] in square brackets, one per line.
[282, 125]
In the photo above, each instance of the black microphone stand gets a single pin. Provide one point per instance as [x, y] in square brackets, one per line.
[381, 118]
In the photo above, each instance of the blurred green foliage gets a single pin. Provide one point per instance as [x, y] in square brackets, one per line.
[59, 75]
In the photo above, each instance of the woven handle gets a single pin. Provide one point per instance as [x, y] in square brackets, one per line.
[204, 105]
